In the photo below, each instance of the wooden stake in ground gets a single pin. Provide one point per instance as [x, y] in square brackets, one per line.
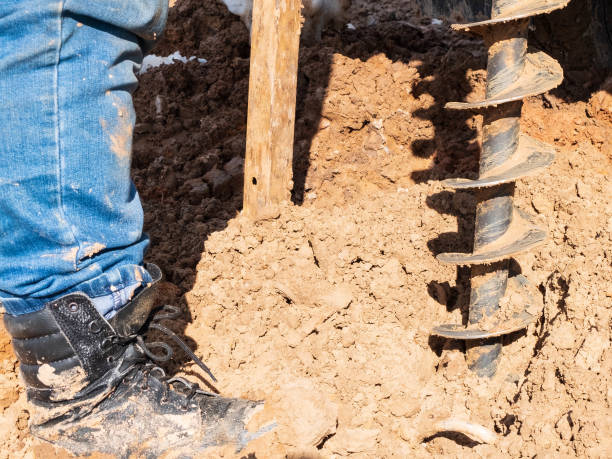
[275, 36]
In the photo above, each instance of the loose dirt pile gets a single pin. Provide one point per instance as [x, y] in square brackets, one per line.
[326, 311]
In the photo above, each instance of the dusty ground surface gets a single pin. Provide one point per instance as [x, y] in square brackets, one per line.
[326, 311]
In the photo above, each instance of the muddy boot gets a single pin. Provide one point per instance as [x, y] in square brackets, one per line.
[94, 387]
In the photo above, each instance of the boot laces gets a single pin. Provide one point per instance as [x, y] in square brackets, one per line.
[169, 312]
[191, 390]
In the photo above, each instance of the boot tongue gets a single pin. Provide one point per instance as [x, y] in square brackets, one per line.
[130, 318]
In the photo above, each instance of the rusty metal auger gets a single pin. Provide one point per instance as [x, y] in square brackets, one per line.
[501, 229]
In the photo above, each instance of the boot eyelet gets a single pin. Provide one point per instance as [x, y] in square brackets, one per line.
[110, 359]
[94, 326]
[162, 373]
[106, 343]
[74, 307]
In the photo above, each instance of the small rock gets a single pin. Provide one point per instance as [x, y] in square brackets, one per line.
[197, 190]
[206, 161]
[546, 436]
[564, 427]
[455, 366]
[348, 337]
[374, 143]
[339, 298]
[408, 432]
[583, 190]
[542, 204]
[563, 337]
[591, 351]
[404, 405]
[220, 182]
[324, 123]
[351, 441]
[234, 166]
[293, 319]
[235, 169]
[293, 337]
[305, 414]
[394, 273]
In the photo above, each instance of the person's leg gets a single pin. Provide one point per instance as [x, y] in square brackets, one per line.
[71, 242]
[70, 217]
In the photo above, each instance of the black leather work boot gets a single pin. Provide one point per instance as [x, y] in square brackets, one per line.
[93, 385]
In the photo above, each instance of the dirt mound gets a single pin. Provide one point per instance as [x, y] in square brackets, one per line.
[335, 299]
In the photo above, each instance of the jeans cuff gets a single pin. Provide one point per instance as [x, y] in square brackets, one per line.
[105, 284]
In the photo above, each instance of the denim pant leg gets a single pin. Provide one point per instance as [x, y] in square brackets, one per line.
[70, 217]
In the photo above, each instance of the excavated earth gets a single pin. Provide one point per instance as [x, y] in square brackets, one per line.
[325, 311]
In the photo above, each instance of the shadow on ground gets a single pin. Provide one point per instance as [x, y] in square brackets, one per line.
[190, 136]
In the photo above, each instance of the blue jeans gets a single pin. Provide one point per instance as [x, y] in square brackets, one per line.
[70, 216]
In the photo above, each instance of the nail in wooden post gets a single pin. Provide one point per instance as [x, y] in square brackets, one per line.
[275, 37]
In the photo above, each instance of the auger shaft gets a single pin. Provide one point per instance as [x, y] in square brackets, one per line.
[488, 286]
[507, 47]
[500, 229]
[495, 208]
[488, 283]
[501, 130]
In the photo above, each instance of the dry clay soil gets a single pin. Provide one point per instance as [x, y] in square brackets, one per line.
[325, 311]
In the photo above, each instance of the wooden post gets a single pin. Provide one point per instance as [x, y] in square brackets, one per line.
[275, 36]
